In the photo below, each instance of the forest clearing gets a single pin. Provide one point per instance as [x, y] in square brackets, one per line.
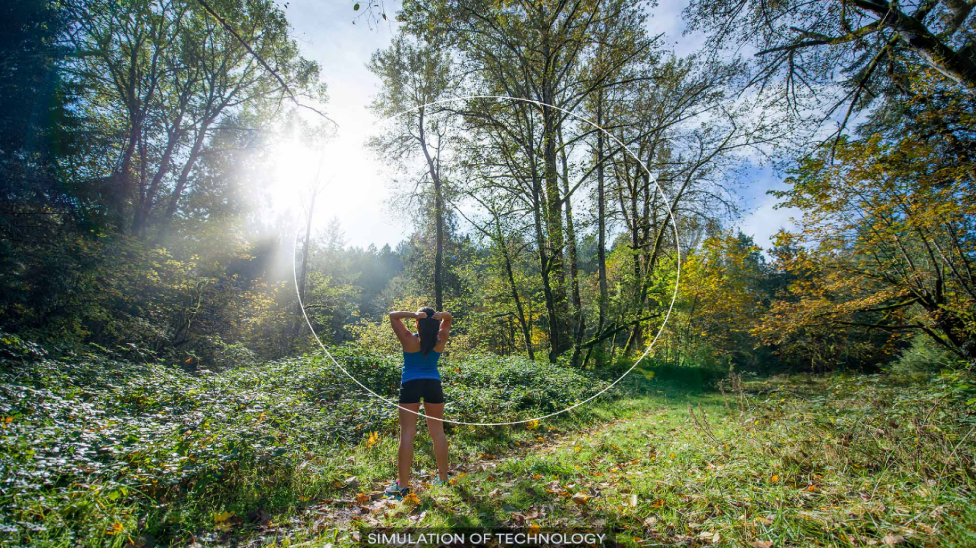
[257, 458]
[681, 272]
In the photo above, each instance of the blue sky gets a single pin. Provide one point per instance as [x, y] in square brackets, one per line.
[356, 191]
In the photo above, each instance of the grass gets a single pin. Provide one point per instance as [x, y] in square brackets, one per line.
[802, 461]
[104, 453]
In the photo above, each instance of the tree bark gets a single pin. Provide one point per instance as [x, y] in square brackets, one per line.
[438, 217]
[573, 257]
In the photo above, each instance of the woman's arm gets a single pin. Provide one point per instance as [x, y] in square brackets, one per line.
[445, 331]
[412, 315]
[401, 331]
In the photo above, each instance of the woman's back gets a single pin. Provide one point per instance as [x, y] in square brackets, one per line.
[418, 366]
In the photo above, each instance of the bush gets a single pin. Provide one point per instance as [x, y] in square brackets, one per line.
[922, 356]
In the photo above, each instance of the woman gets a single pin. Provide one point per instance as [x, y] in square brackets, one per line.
[420, 380]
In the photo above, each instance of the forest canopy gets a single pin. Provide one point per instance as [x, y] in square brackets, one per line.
[140, 138]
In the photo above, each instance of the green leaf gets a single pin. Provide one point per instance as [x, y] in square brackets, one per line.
[355, 7]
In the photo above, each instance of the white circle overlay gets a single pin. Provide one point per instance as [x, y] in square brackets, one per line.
[650, 346]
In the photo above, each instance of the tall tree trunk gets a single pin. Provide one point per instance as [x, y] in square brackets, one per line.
[303, 278]
[123, 179]
[174, 199]
[306, 245]
[559, 328]
[141, 215]
[438, 217]
[515, 294]
[545, 266]
[601, 222]
[439, 252]
[573, 257]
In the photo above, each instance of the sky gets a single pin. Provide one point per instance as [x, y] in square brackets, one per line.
[356, 190]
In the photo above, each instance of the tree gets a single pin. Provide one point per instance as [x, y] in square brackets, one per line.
[536, 52]
[874, 44]
[163, 75]
[414, 76]
[887, 240]
[723, 293]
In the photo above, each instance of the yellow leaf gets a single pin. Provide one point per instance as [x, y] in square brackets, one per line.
[537, 476]
[373, 439]
[223, 516]
[534, 529]
[581, 498]
[577, 448]
[774, 478]
[659, 503]
[532, 425]
[411, 498]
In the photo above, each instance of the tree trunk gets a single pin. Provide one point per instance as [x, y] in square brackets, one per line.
[141, 215]
[174, 199]
[559, 324]
[123, 179]
[601, 216]
[573, 258]
[438, 218]
[515, 295]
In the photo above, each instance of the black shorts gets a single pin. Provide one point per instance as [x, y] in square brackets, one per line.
[428, 389]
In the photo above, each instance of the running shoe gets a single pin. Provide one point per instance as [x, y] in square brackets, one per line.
[395, 492]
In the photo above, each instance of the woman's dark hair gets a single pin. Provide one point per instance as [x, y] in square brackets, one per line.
[427, 328]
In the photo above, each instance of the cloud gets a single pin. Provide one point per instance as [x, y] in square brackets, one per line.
[765, 220]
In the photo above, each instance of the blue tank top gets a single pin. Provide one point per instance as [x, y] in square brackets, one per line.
[417, 366]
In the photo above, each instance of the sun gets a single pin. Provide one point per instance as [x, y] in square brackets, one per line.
[296, 171]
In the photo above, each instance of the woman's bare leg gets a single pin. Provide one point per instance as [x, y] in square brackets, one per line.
[408, 431]
[435, 412]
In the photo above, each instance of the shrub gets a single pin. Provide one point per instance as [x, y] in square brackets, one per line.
[922, 356]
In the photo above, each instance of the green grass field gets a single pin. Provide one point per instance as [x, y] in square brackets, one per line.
[786, 462]
[261, 457]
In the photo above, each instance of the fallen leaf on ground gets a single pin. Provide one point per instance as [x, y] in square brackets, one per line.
[893, 540]
[223, 516]
[411, 498]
